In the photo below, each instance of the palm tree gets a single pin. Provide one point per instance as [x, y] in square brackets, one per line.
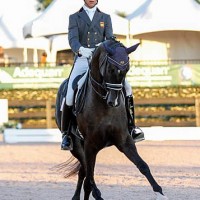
[121, 13]
[42, 4]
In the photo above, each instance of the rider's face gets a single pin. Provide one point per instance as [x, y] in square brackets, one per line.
[90, 3]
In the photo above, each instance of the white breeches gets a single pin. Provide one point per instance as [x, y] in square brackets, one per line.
[128, 88]
[81, 66]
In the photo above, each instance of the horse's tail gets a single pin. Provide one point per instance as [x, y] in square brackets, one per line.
[69, 168]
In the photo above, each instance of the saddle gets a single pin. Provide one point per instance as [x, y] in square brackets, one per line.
[79, 93]
[79, 100]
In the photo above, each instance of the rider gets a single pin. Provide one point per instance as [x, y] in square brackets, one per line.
[87, 28]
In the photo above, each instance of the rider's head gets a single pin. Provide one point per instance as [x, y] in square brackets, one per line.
[91, 3]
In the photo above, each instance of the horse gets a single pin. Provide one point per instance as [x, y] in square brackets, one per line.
[102, 120]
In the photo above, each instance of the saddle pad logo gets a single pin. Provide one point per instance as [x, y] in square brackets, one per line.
[102, 24]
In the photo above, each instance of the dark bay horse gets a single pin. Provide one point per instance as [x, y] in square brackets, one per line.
[103, 119]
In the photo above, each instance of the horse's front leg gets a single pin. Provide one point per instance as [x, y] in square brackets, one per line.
[81, 176]
[89, 183]
[129, 149]
[78, 153]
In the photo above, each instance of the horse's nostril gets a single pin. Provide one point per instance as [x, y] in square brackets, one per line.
[110, 104]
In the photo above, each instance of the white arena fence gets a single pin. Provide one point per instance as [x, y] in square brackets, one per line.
[54, 135]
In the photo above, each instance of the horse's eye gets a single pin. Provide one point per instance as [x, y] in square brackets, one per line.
[111, 70]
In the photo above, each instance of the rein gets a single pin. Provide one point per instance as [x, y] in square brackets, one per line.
[96, 84]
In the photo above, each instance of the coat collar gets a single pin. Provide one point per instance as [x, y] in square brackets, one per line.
[81, 10]
[84, 15]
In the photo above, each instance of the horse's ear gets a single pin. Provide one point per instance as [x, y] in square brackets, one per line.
[132, 48]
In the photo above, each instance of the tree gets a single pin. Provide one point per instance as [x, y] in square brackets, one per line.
[198, 1]
[42, 4]
[121, 13]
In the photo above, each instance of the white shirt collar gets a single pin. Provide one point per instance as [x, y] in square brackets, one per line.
[89, 9]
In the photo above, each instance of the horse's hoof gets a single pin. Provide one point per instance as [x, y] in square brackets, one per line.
[160, 196]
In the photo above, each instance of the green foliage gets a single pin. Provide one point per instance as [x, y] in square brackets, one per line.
[198, 1]
[9, 124]
[42, 4]
[121, 13]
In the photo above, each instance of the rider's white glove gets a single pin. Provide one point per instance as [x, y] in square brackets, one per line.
[98, 44]
[86, 52]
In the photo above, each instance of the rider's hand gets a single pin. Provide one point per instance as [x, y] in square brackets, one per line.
[98, 44]
[86, 52]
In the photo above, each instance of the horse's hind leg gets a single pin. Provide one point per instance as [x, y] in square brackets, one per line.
[129, 149]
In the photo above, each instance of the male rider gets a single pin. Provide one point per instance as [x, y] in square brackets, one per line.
[87, 28]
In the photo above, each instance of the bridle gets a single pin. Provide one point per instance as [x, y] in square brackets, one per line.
[105, 87]
[115, 54]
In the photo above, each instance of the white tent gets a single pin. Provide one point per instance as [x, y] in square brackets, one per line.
[54, 20]
[154, 16]
[167, 30]
[7, 39]
[53, 24]
[16, 48]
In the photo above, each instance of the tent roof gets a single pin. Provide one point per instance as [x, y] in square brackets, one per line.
[54, 20]
[9, 39]
[150, 16]
[154, 15]
[11, 33]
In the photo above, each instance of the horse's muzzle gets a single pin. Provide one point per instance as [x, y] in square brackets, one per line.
[113, 98]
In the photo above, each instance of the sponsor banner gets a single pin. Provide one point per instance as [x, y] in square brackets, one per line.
[138, 76]
[31, 77]
[163, 76]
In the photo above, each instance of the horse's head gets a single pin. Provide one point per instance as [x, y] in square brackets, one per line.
[112, 63]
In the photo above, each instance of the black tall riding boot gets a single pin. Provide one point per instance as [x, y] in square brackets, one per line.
[65, 127]
[136, 133]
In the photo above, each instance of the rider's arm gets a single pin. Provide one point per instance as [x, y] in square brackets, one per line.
[73, 34]
[108, 28]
